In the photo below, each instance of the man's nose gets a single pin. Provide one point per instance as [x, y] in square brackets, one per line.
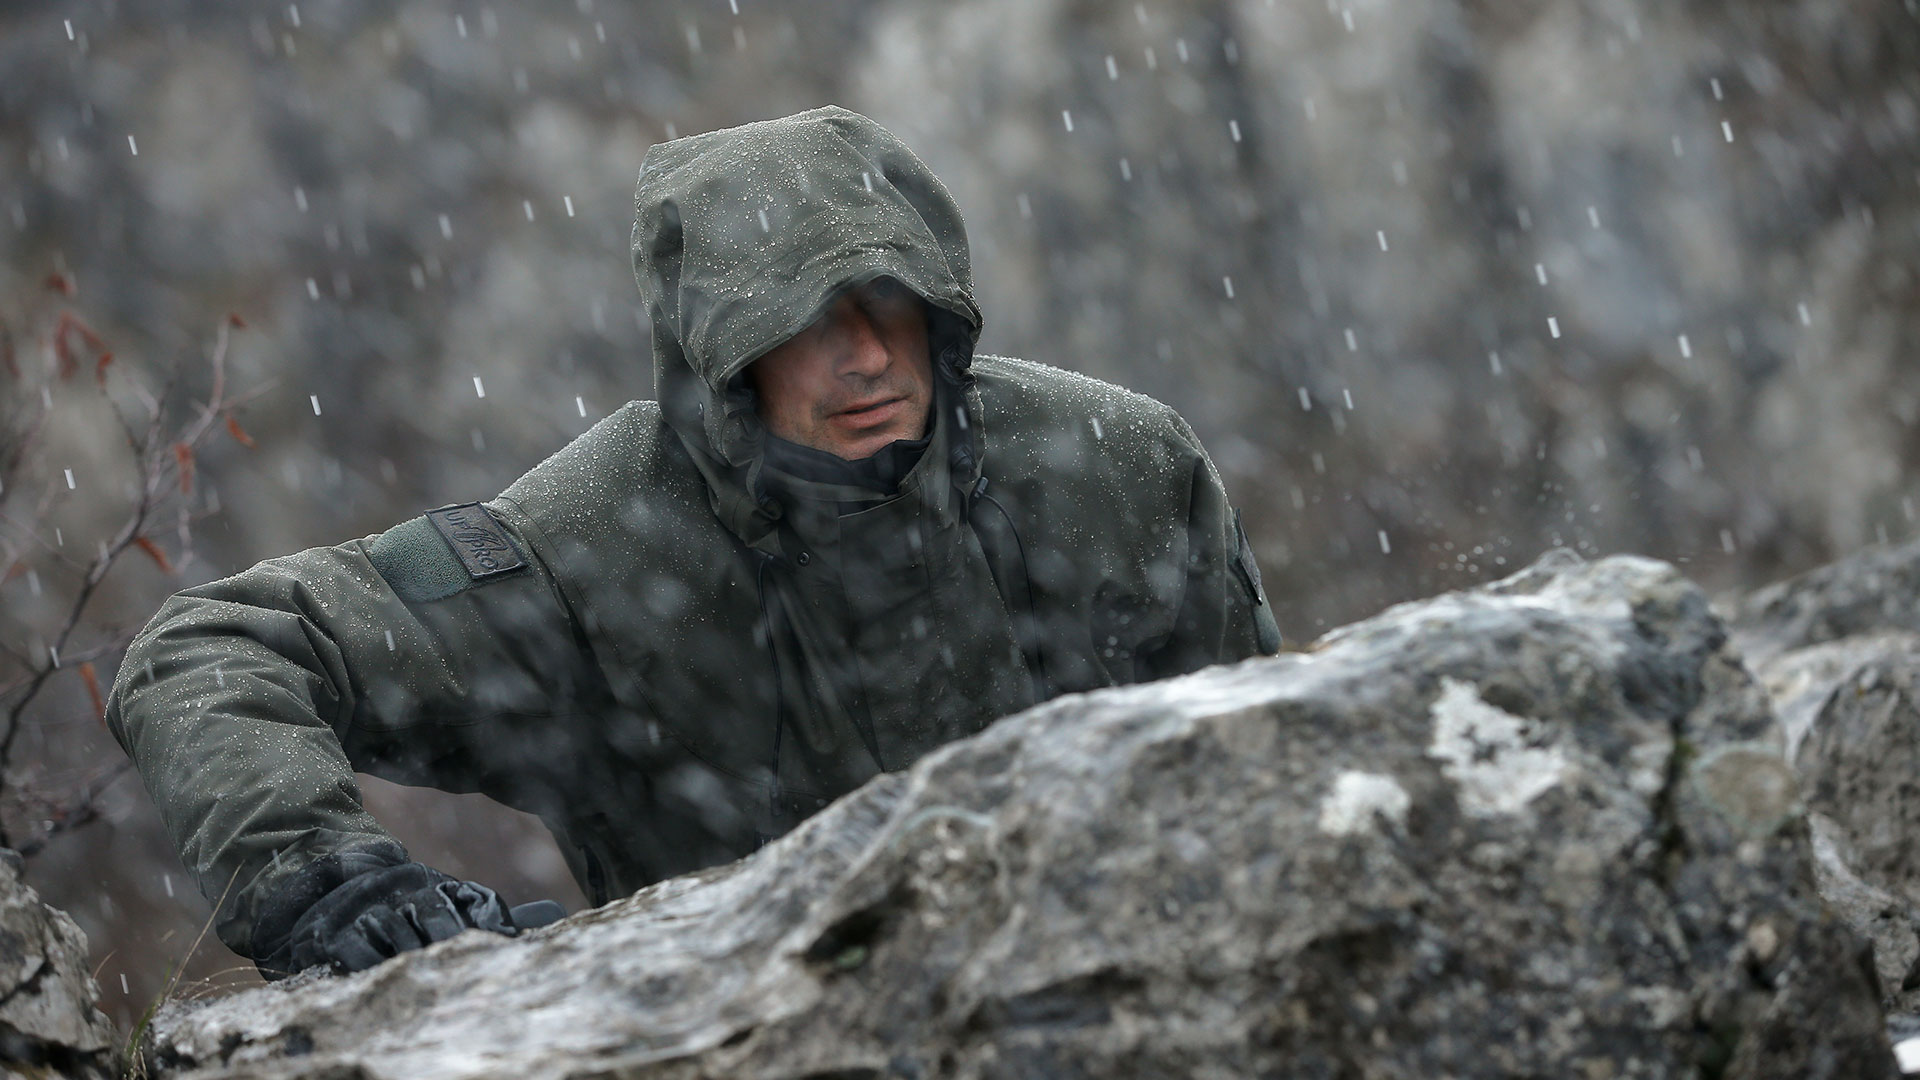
[862, 351]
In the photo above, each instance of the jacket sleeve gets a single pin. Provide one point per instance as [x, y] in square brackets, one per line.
[1224, 615]
[248, 703]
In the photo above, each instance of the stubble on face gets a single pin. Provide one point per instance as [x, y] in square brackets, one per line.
[856, 379]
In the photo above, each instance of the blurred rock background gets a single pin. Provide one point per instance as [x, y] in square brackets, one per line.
[1441, 283]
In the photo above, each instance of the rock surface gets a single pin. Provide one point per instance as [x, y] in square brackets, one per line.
[1539, 828]
[1838, 650]
[49, 1026]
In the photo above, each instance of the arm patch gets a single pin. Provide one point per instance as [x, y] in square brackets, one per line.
[444, 552]
[480, 543]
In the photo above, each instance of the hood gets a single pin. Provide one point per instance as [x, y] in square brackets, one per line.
[742, 237]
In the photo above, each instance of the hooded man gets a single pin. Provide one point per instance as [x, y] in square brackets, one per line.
[837, 541]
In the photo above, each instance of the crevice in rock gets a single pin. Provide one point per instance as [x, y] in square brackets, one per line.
[30, 984]
[17, 1049]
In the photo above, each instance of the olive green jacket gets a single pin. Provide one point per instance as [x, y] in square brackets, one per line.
[665, 649]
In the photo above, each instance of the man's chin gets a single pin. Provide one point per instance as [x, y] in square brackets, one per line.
[864, 447]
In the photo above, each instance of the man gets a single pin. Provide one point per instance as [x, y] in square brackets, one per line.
[837, 542]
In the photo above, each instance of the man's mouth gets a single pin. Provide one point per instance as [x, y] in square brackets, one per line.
[868, 411]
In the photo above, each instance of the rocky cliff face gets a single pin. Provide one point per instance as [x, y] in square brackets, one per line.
[1543, 827]
[49, 1026]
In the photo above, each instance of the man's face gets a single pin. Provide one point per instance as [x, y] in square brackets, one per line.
[855, 379]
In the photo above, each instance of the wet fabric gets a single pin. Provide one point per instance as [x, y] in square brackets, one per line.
[697, 649]
[880, 473]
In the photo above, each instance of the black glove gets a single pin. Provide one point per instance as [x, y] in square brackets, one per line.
[386, 910]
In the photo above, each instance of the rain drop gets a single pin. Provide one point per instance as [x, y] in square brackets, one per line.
[479, 388]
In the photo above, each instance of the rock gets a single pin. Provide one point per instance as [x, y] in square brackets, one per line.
[1874, 590]
[49, 1026]
[1838, 650]
[1889, 923]
[1539, 828]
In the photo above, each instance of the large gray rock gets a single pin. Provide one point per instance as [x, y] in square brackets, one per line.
[1540, 828]
[49, 1027]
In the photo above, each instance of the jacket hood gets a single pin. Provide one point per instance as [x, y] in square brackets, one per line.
[742, 237]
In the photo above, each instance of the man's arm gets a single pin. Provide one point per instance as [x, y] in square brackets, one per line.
[1224, 615]
[248, 703]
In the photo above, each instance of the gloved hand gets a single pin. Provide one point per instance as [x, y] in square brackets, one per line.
[383, 912]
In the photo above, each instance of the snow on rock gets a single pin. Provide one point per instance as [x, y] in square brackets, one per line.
[1505, 832]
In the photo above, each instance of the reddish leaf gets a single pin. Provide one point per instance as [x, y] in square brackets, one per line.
[13, 571]
[61, 352]
[62, 284]
[183, 454]
[100, 369]
[239, 436]
[93, 340]
[69, 325]
[234, 320]
[93, 689]
[153, 552]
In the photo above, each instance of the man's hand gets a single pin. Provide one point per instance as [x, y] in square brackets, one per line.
[379, 914]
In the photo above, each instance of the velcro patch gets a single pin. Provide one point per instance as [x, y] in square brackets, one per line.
[479, 541]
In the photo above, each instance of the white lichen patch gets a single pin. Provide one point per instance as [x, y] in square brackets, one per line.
[1489, 752]
[1355, 799]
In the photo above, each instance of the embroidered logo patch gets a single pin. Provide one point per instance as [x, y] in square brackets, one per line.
[477, 539]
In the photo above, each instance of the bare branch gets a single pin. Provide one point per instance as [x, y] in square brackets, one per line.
[82, 809]
[163, 466]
